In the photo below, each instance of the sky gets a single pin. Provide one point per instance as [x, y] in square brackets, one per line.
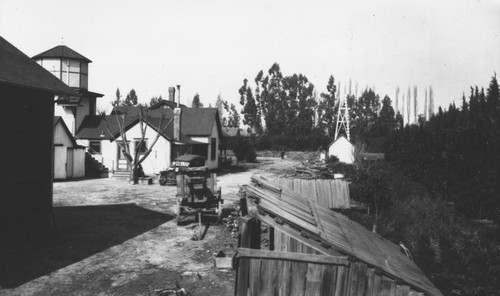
[209, 47]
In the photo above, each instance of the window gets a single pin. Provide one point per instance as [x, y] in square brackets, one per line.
[74, 66]
[141, 147]
[95, 147]
[74, 79]
[213, 149]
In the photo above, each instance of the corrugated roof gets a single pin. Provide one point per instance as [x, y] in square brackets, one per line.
[18, 69]
[62, 51]
[336, 233]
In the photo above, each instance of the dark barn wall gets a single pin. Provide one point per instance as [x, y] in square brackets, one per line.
[26, 171]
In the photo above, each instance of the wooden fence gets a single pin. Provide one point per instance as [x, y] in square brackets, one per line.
[265, 273]
[332, 194]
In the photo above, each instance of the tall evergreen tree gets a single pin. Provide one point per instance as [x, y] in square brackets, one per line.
[328, 108]
[493, 97]
[251, 112]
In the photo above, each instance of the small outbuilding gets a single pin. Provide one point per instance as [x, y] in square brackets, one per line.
[27, 94]
[343, 149]
[315, 251]
[69, 157]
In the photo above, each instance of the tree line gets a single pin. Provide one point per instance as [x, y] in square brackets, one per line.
[285, 111]
[456, 153]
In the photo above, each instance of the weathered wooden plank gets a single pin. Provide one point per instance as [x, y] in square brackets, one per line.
[254, 277]
[352, 289]
[328, 280]
[283, 269]
[342, 278]
[370, 282]
[376, 285]
[249, 232]
[313, 279]
[279, 206]
[298, 278]
[268, 272]
[245, 235]
[242, 277]
[362, 278]
[294, 234]
[298, 257]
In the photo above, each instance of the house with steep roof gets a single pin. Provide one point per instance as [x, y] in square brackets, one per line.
[27, 94]
[181, 131]
[71, 68]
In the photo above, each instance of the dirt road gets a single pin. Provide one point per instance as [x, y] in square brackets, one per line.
[119, 239]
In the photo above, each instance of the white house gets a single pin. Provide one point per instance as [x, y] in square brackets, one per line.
[182, 131]
[69, 158]
[342, 149]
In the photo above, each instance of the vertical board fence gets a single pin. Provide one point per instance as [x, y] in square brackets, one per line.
[332, 194]
[262, 273]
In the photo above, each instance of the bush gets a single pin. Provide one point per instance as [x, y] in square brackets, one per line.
[244, 150]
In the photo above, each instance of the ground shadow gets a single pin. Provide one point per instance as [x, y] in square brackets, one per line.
[81, 232]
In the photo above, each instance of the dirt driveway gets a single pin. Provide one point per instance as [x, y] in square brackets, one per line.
[119, 239]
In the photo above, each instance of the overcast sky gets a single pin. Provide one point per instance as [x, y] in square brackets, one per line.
[209, 47]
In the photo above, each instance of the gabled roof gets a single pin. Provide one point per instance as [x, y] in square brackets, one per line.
[341, 138]
[18, 69]
[199, 121]
[166, 103]
[332, 233]
[94, 128]
[62, 51]
[57, 120]
[194, 121]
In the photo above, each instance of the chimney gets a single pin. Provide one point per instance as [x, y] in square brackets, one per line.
[171, 94]
[177, 124]
[178, 96]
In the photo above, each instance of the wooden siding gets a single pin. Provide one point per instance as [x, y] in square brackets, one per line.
[332, 194]
[329, 233]
[265, 273]
[61, 137]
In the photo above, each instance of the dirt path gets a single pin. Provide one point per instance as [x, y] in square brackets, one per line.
[119, 239]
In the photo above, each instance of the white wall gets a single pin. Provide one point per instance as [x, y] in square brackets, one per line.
[343, 149]
[60, 156]
[61, 136]
[66, 115]
[157, 160]
[79, 163]
[213, 164]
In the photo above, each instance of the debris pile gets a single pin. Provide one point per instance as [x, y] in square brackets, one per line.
[315, 170]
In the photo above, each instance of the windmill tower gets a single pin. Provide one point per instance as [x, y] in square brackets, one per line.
[343, 118]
